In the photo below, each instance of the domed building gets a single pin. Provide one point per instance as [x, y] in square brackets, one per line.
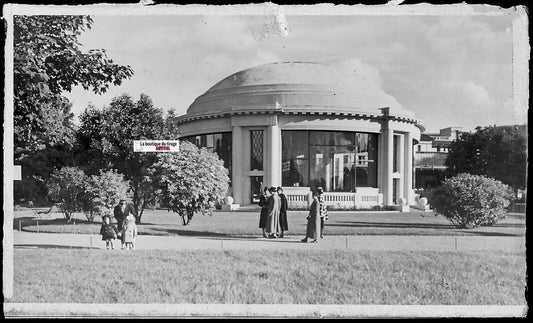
[303, 125]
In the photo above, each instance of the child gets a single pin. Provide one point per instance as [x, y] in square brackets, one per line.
[108, 232]
[129, 232]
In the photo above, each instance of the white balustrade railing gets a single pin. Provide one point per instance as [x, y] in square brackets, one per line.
[300, 199]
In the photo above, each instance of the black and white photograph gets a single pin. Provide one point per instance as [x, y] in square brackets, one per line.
[265, 161]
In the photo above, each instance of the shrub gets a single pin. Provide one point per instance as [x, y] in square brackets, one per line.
[469, 201]
[103, 192]
[67, 186]
[191, 181]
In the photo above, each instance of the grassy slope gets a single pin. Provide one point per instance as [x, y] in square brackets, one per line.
[161, 222]
[327, 277]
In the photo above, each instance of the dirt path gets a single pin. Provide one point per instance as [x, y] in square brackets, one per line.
[367, 242]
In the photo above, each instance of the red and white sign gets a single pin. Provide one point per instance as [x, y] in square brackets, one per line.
[156, 146]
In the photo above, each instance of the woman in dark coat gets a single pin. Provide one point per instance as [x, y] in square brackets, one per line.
[263, 203]
[313, 221]
[284, 226]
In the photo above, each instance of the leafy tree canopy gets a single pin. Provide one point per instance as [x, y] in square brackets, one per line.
[47, 61]
[105, 140]
[103, 192]
[192, 180]
[496, 152]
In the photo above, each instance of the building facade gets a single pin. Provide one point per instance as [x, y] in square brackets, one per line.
[430, 154]
[303, 125]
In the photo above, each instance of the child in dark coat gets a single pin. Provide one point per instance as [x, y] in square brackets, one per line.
[108, 231]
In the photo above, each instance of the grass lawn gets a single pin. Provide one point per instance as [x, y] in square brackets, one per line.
[290, 277]
[161, 222]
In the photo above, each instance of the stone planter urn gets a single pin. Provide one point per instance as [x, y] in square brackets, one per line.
[228, 200]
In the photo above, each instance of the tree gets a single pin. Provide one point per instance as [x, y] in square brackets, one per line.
[67, 186]
[37, 168]
[469, 201]
[497, 152]
[105, 140]
[191, 181]
[103, 192]
[47, 60]
[90, 142]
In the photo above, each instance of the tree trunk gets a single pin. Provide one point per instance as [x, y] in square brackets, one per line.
[183, 219]
[140, 212]
[68, 216]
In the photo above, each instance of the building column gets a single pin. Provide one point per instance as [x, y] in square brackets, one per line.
[408, 168]
[273, 156]
[401, 162]
[237, 157]
[388, 136]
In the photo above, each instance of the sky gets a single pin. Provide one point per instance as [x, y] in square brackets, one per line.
[449, 70]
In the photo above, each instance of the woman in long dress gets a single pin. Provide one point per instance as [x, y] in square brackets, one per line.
[274, 205]
[263, 203]
[313, 221]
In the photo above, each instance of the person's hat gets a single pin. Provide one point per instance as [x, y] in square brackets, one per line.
[280, 188]
[272, 189]
[320, 190]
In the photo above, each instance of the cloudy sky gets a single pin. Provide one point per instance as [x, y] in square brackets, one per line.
[449, 70]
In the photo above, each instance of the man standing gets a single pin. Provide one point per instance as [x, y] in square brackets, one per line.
[323, 210]
[284, 226]
[121, 211]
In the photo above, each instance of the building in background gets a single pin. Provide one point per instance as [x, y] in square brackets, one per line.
[429, 156]
[304, 125]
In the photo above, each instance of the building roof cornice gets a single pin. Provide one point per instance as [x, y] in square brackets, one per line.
[346, 114]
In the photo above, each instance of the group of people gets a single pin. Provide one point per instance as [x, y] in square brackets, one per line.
[272, 220]
[273, 217]
[125, 230]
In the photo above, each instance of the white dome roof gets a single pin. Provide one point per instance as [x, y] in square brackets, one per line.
[295, 86]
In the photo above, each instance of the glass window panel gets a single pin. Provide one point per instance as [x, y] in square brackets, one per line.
[256, 143]
[294, 144]
[372, 160]
[209, 141]
[331, 138]
[317, 164]
[337, 161]
[344, 138]
[395, 154]
[217, 143]
[295, 158]
[321, 138]
[220, 143]
[366, 154]
[203, 141]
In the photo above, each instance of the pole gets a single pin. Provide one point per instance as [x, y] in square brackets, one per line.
[455, 243]
[20, 225]
[346, 242]
[37, 226]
